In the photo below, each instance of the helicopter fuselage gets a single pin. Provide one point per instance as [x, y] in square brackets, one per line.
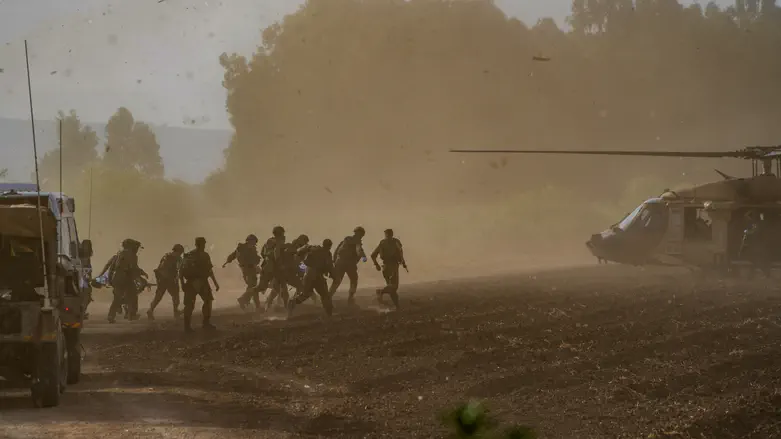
[700, 226]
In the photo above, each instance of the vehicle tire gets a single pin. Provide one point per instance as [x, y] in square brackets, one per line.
[48, 384]
[73, 354]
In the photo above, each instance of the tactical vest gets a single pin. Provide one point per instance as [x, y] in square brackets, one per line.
[246, 255]
[348, 251]
[390, 250]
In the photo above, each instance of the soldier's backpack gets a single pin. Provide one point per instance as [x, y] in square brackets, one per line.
[189, 268]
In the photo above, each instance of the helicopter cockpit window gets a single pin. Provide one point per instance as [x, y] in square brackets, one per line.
[627, 221]
[650, 215]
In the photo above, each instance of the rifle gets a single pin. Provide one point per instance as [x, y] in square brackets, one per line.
[143, 284]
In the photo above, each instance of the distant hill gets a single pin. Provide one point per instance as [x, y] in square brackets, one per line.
[189, 154]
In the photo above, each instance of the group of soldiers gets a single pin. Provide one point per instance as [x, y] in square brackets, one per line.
[279, 264]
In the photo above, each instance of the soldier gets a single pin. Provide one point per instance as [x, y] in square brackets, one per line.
[754, 247]
[392, 255]
[167, 276]
[288, 271]
[271, 253]
[247, 255]
[196, 271]
[318, 262]
[85, 254]
[125, 271]
[346, 258]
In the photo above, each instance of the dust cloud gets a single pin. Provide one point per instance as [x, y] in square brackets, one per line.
[345, 114]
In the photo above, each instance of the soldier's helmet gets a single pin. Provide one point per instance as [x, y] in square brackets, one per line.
[178, 248]
[389, 233]
[252, 238]
[278, 231]
[327, 243]
[359, 231]
[127, 243]
[200, 241]
[302, 240]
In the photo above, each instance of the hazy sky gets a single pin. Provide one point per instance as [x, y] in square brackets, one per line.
[159, 59]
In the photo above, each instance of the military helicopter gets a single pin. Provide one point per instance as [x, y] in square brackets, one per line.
[698, 227]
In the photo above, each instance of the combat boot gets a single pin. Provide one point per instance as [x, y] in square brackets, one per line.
[187, 320]
[177, 314]
[395, 298]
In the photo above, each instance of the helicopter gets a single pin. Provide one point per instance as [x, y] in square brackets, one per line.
[699, 227]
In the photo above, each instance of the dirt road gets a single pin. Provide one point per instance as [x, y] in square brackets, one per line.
[582, 353]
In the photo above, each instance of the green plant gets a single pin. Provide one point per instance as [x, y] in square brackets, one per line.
[472, 420]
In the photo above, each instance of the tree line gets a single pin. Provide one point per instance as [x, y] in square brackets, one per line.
[386, 86]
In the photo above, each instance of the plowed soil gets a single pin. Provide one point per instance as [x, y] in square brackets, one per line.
[602, 352]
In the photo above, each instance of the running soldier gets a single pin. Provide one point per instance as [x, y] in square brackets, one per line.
[196, 271]
[269, 268]
[246, 254]
[167, 277]
[288, 271]
[319, 263]
[392, 254]
[346, 258]
[85, 254]
[123, 274]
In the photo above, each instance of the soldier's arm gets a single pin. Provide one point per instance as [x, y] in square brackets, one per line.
[108, 265]
[359, 249]
[401, 253]
[211, 272]
[336, 252]
[231, 257]
[376, 253]
[330, 266]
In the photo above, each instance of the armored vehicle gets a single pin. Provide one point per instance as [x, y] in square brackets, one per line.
[42, 287]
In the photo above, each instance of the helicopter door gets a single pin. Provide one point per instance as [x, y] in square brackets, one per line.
[675, 234]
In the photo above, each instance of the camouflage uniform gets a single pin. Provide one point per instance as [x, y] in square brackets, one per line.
[167, 276]
[319, 263]
[247, 255]
[123, 273]
[346, 258]
[86, 262]
[196, 270]
[392, 254]
[288, 272]
[269, 269]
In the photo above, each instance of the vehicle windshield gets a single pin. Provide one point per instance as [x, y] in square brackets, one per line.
[20, 263]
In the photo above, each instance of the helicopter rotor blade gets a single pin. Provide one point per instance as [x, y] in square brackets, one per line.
[693, 154]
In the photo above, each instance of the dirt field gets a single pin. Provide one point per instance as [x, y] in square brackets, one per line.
[602, 352]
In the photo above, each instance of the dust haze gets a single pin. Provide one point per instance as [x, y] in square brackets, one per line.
[345, 113]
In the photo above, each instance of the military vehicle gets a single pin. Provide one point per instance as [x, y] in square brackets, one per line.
[42, 283]
[698, 227]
